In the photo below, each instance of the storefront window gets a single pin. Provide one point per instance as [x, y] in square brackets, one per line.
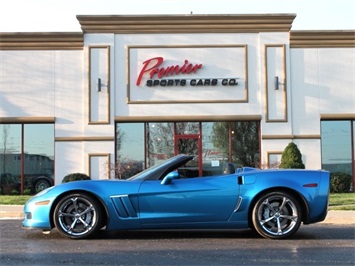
[38, 156]
[160, 142]
[215, 147]
[130, 149]
[30, 167]
[245, 143]
[187, 128]
[353, 147]
[229, 142]
[338, 146]
[10, 158]
[213, 143]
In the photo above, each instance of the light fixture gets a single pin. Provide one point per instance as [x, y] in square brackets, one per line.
[277, 83]
[98, 84]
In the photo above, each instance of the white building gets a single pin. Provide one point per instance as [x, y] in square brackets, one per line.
[142, 88]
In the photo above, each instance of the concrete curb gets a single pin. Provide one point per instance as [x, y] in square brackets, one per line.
[11, 212]
[333, 217]
[340, 217]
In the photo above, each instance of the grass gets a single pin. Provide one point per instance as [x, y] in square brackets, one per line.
[342, 201]
[337, 201]
[14, 199]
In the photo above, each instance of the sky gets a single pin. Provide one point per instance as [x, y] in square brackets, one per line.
[60, 15]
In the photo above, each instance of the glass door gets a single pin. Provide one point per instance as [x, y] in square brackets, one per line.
[187, 140]
[190, 145]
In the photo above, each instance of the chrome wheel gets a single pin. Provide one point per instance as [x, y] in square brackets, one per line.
[77, 216]
[277, 215]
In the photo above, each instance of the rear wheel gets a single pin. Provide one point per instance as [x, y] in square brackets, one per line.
[78, 216]
[277, 215]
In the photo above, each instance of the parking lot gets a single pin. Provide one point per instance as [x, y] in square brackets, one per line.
[318, 244]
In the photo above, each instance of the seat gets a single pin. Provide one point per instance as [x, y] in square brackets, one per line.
[229, 169]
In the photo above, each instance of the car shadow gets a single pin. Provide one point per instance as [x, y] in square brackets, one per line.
[326, 231]
[315, 232]
[306, 232]
[176, 234]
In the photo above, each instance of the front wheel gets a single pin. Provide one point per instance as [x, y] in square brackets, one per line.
[276, 215]
[78, 216]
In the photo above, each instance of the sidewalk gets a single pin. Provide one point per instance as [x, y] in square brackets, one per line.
[11, 212]
[333, 217]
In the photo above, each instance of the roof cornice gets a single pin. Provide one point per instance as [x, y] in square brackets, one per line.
[41, 41]
[322, 39]
[137, 24]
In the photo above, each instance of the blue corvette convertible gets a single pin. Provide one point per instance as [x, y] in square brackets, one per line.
[272, 202]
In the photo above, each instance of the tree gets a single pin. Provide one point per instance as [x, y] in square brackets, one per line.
[292, 157]
[244, 141]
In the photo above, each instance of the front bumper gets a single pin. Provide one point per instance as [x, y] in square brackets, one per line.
[37, 214]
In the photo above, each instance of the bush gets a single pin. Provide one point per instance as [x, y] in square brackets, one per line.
[27, 191]
[8, 179]
[75, 177]
[291, 157]
[15, 192]
[340, 182]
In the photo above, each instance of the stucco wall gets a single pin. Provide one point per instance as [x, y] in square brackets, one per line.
[320, 82]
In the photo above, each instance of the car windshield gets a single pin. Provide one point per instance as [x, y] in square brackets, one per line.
[147, 171]
[158, 169]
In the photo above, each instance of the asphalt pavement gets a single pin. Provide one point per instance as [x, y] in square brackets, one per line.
[333, 217]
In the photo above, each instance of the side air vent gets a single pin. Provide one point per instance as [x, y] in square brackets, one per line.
[124, 206]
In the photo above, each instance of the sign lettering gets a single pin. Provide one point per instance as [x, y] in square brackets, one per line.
[152, 67]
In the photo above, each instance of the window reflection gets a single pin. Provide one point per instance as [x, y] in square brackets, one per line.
[10, 157]
[187, 128]
[215, 147]
[30, 167]
[38, 156]
[130, 149]
[235, 142]
[160, 142]
[353, 145]
[245, 143]
[336, 146]
[146, 144]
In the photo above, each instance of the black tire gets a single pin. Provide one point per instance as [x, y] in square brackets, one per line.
[78, 216]
[41, 184]
[277, 215]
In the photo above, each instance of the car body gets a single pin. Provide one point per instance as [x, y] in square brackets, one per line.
[272, 202]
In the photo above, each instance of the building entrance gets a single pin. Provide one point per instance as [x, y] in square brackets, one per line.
[187, 140]
[141, 145]
[190, 145]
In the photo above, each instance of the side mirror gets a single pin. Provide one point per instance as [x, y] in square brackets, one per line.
[169, 177]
